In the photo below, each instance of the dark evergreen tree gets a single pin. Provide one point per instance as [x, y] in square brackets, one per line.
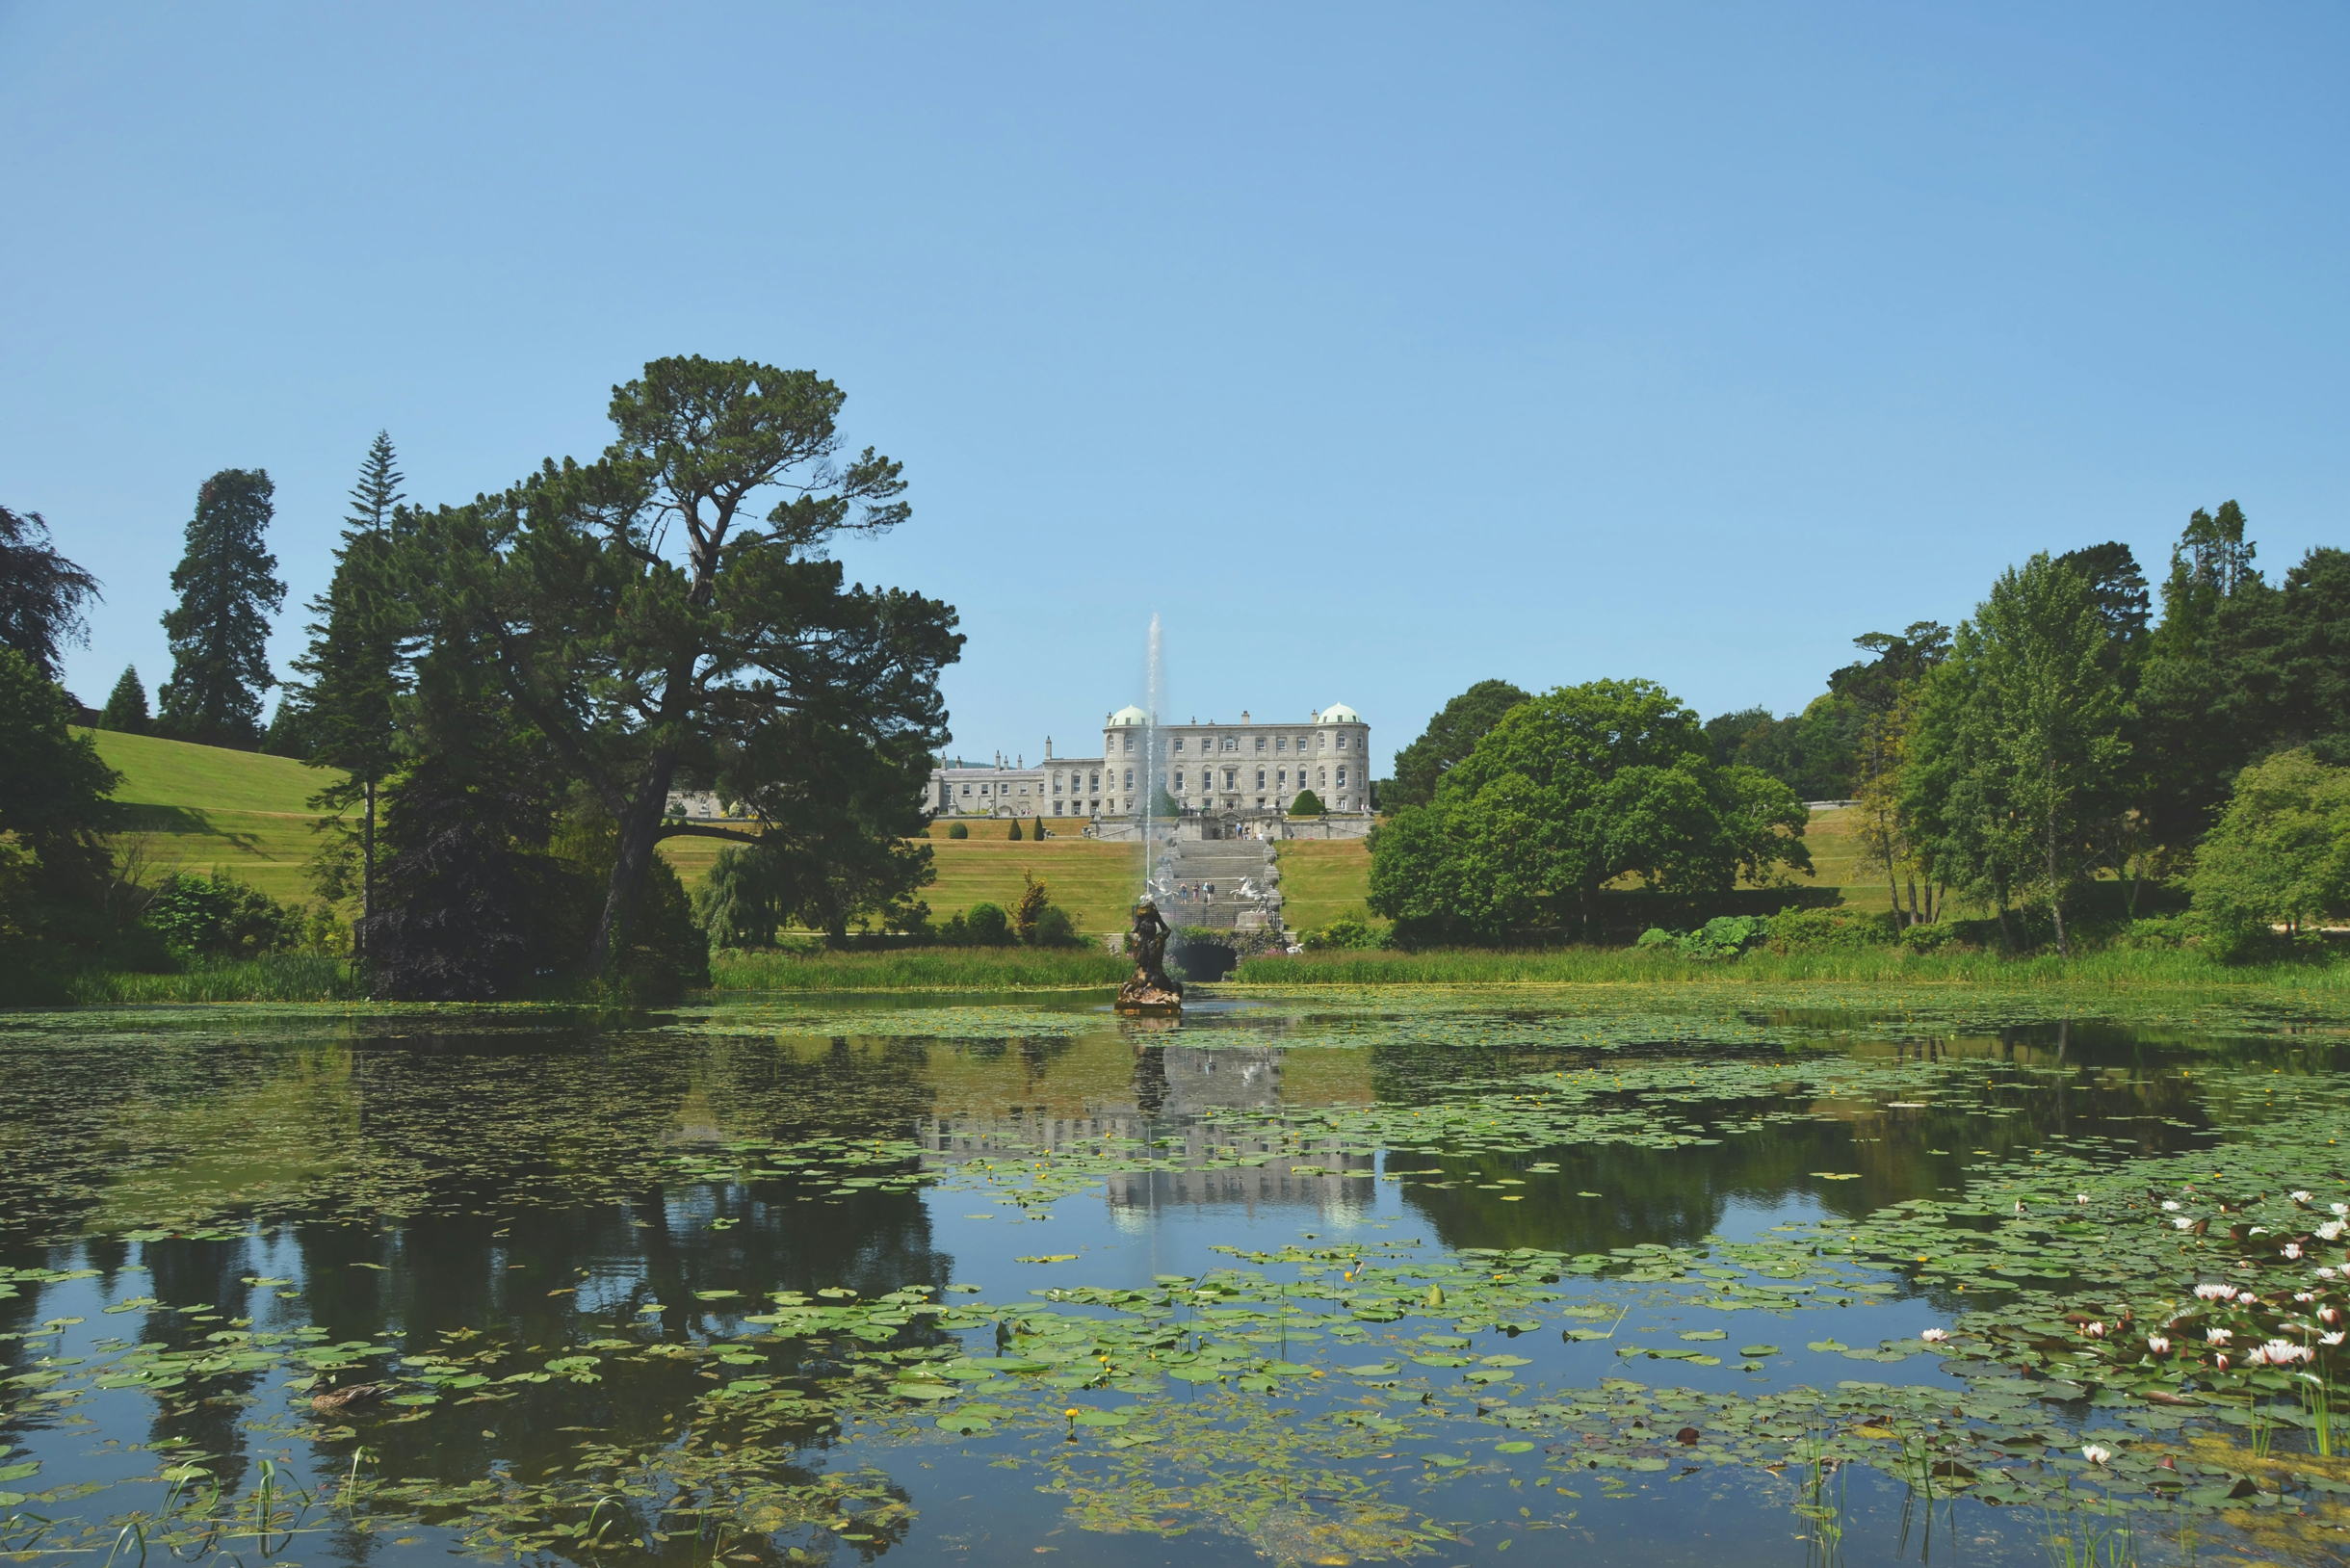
[353, 670]
[126, 706]
[228, 587]
[42, 594]
[1452, 735]
[53, 808]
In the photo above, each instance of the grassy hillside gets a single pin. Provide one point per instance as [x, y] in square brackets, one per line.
[197, 807]
[1094, 881]
[1321, 880]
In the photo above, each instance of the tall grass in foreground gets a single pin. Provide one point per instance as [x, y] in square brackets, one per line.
[919, 969]
[2114, 971]
[285, 977]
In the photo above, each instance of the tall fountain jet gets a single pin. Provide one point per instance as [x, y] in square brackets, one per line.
[1150, 991]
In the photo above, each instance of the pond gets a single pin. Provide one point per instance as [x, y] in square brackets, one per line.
[1347, 1277]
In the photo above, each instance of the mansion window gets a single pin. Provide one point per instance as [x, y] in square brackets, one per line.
[1260, 743]
[1130, 779]
[1260, 778]
[1342, 778]
[966, 789]
[1178, 790]
[1342, 743]
[1179, 743]
[1130, 742]
[1282, 779]
[1228, 779]
[1281, 742]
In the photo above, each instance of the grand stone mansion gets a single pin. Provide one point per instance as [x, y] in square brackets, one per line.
[1253, 768]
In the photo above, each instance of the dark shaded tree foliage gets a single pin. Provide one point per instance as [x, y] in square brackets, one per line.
[643, 621]
[126, 705]
[353, 671]
[42, 595]
[1452, 735]
[228, 588]
[54, 865]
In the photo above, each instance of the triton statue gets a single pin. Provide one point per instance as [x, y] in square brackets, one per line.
[1150, 991]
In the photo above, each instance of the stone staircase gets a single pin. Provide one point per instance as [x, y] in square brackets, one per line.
[1228, 864]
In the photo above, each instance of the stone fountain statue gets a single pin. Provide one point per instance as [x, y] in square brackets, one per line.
[1150, 991]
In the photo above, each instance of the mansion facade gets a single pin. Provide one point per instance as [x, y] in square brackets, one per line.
[1251, 768]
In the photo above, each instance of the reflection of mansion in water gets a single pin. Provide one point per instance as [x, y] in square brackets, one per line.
[1239, 1163]
[1249, 769]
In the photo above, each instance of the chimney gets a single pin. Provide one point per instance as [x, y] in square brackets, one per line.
[1048, 748]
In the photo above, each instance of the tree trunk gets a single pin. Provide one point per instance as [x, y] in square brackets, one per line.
[2007, 940]
[2055, 893]
[639, 831]
[1913, 902]
[367, 871]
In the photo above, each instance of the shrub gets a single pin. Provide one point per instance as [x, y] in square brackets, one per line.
[1929, 938]
[988, 925]
[959, 830]
[1307, 804]
[1055, 929]
[1348, 932]
[1724, 936]
[218, 916]
[1015, 832]
[1828, 930]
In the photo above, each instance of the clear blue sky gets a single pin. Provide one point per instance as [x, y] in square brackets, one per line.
[1380, 350]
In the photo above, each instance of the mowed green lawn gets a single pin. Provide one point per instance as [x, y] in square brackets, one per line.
[195, 808]
[1096, 882]
[1321, 880]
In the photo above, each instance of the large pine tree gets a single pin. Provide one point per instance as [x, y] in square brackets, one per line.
[228, 587]
[351, 669]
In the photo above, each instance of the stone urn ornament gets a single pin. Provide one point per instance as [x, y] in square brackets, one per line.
[1149, 992]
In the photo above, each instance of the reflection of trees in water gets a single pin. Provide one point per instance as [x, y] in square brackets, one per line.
[1676, 1197]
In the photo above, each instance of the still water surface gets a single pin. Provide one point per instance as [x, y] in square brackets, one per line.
[939, 1280]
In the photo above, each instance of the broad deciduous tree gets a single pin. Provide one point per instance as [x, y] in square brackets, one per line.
[2017, 753]
[1567, 792]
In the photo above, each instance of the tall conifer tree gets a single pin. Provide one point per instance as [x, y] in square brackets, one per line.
[352, 666]
[228, 587]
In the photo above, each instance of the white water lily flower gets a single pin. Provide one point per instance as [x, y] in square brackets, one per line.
[2096, 1331]
[2300, 1197]
[2341, 1209]
[2292, 1249]
[2216, 1293]
[2096, 1453]
[2081, 1198]
[2285, 1352]
[2304, 1297]
[2329, 1315]
[1935, 1336]
[2157, 1344]
[2334, 1338]
[2328, 1273]
[2332, 1230]
[2257, 1356]
[2217, 1336]
[2170, 1205]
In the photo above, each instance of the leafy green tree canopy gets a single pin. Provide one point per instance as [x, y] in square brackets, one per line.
[2279, 853]
[1567, 792]
[53, 802]
[2017, 752]
[42, 594]
[228, 587]
[1450, 737]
